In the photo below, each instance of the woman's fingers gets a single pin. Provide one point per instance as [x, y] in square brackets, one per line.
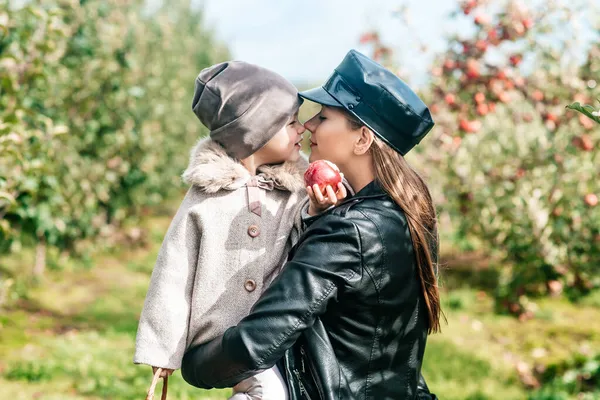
[318, 193]
[331, 195]
[341, 193]
[311, 194]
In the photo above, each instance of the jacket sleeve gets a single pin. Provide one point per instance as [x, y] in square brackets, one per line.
[163, 327]
[289, 306]
[423, 392]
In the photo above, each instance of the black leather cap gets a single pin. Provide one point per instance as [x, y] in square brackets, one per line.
[377, 97]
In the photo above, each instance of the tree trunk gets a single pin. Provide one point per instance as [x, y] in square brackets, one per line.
[40, 258]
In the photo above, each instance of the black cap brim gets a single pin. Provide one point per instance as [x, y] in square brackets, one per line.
[320, 95]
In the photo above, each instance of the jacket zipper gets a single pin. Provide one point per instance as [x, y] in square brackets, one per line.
[303, 391]
[312, 373]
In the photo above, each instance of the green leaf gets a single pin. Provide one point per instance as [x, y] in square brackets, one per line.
[586, 110]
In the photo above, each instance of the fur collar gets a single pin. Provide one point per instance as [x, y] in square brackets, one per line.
[211, 169]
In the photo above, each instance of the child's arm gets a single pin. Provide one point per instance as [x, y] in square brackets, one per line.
[163, 327]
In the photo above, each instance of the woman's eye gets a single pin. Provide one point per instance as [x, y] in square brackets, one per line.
[322, 118]
[293, 122]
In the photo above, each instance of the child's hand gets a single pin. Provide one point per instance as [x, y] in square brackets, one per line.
[164, 373]
[320, 203]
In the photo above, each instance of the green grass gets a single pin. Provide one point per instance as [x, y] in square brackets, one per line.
[72, 337]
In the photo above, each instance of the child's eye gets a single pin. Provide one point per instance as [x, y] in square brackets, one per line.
[322, 118]
[293, 122]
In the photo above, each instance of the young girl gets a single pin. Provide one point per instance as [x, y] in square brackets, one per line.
[231, 234]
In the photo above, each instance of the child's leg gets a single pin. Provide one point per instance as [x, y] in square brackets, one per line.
[268, 385]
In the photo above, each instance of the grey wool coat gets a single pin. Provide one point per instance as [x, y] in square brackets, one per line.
[228, 240]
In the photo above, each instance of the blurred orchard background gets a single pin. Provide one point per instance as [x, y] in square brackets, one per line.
[95, 129]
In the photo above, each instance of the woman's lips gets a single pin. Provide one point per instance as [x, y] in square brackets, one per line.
[312, 143]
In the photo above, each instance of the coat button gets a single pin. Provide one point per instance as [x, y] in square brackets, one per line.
[250, 285]
[253, 231]
[350, 106]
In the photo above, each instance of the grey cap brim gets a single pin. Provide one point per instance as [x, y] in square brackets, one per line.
[320, 95]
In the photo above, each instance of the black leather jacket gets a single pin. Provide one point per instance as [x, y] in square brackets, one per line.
[345, 318]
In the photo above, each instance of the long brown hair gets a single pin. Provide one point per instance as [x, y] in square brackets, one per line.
[411, 194]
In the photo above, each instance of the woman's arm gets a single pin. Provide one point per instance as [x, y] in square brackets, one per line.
[289, 306]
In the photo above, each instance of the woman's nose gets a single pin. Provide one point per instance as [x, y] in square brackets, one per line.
[310, 125]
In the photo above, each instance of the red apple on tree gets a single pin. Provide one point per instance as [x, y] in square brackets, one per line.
[516, 59]
[482, 19]
[481, 45]
[450, 99]
[586, 143]
[504, 97]
[472, 68]
[591, 200]
[537, 95]
[479, 97]
[482, 109]
[449, 64]
[322, 173]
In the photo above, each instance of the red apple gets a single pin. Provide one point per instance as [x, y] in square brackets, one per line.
[450, 99]
[586, 143]
[492, 36]
[479, 97]
[586, 122]
[482, 19]
[516, 59]
[527, 23]
[504, 97]
[322, 173]
[469, 126]
[537, 95]
[591, 199]
[482, 109]
[472, 68]
[368, 37]
[501, 74]
[449, 64]
[481, 45]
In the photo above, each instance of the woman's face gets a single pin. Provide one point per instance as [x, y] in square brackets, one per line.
[331, 137]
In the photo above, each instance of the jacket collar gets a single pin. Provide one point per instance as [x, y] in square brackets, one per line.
[373, 189]
[211, 169]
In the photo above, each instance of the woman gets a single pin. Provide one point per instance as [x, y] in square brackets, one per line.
[349, 314]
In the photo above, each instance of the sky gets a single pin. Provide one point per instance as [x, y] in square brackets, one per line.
[304, 41]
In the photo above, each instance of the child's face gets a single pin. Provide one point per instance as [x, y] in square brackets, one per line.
[285, 145]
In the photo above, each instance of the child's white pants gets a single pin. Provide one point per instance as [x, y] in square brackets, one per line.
[268, 385]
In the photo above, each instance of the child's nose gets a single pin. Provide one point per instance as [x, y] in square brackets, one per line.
[301, 129]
